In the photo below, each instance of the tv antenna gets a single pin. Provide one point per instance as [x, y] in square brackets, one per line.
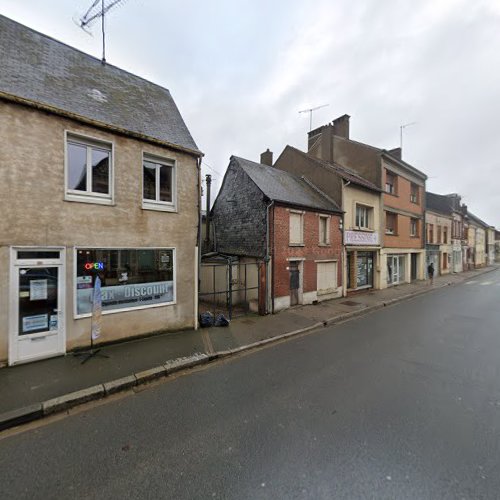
[99, 8]
[310, 111]
[401, 128]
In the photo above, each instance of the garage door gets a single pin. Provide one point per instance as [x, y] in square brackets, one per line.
[327, 277]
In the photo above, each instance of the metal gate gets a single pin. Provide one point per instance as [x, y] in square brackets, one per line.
[229, 286]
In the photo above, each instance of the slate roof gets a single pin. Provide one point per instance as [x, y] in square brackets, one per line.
[284, 187]
[438, 203]
[477, 220]
[346, 173]
[45, 71]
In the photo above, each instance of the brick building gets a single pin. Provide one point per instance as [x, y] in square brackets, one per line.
[402, 256]
[285, 221]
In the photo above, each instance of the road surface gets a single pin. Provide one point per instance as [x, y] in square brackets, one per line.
[402, 403]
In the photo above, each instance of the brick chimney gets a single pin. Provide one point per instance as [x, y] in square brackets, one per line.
[341, 126]
[266, 158]
[320, 140]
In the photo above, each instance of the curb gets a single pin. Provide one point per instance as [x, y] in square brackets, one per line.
[37, 411]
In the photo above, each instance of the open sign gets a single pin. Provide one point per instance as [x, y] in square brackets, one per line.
[98, 266]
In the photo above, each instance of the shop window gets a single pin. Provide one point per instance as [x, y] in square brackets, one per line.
[390, 182]
[413, 227]
[296, 228]
[130, 278]
[363, 217]
[324, 230]
[158, 184]
[414, 193]
[89, 170]
[391, 221]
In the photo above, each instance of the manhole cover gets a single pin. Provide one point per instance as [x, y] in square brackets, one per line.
[350, 303]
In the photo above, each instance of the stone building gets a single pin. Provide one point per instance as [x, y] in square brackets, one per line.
[286, 222]
[99, 177]
[439, 222]
[477, 240]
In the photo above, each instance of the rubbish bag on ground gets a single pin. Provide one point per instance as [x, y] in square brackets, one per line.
[207, 319]
[221, 320]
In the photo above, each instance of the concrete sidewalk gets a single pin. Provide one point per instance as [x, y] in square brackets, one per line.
[33, 390]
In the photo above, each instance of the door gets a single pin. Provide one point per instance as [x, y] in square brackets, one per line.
[294, 283]
[37, 329]
[413, 266]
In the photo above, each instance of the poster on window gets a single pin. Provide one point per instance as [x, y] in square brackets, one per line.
[125, 296]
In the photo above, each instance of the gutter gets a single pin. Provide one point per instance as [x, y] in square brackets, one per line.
[95, 123]
[269, 275]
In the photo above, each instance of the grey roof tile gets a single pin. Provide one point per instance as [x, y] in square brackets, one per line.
[40, 69]
[284, 187]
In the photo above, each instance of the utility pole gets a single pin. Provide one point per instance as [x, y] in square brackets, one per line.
[310, 111]
[401, 133]
[208, 178]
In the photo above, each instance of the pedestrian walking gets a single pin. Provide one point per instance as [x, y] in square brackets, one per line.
[430, 272]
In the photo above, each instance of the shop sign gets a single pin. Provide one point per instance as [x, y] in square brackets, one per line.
[360, 238]
[125, 296]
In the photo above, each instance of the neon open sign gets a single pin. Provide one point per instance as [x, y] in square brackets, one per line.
[98, 266]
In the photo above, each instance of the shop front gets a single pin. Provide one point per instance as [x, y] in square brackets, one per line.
[361, 259]
[396, 265]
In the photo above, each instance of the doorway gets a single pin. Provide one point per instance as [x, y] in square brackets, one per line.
[294, 282]
[37, 305]
[414, 266]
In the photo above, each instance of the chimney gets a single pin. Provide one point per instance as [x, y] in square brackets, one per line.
[396, 152]
[341, 126]
[266, 158]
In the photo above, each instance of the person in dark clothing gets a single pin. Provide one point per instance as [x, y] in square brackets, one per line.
[430, 271]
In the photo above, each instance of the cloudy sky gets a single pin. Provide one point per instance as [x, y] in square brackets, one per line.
[241, 70]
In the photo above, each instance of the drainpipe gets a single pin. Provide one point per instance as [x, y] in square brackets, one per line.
[197, 248]
[269, 299]
[343, 254]
[207, 225]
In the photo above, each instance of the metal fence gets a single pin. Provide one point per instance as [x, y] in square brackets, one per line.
[229, 287]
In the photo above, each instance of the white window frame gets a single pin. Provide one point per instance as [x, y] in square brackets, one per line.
[294, 243]
[393, 188]
[393, 231]
[164, 206]
[89, 142]
[125, 309]
[414, 196]
[327, 233]
[369, 216]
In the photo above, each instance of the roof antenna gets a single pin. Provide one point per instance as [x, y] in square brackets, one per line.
[310, 111]
[94, 13]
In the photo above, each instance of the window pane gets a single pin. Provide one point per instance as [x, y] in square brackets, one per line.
[149, 181]
[129, 277]
[100, 171]
[77, 167]
[165, 183]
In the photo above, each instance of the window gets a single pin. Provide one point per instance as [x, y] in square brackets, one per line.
[129, 278]
[413, 227]
[445, 261]
[324, 230]
[391, 220]
[430, 237]
[414, 193]
[390, 182]
[445, 235]
[158, 183]
[363, 217]
[296, 228]
[439, 234]
[88, 170]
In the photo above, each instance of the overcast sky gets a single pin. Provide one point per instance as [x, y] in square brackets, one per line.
[240, 70]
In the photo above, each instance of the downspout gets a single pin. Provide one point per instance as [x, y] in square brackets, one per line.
[344, 250]
[269, 275]
[197, 248]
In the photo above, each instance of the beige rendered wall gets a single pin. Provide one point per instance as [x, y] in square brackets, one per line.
[34, 213]
[354, 195]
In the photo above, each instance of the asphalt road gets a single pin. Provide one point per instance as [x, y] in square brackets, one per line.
[402, 403]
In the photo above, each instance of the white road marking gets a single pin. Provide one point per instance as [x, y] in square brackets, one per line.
[487, 283]
[470, 282]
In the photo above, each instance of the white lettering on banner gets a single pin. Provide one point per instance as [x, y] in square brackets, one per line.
[360, 238]
[125, 296]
